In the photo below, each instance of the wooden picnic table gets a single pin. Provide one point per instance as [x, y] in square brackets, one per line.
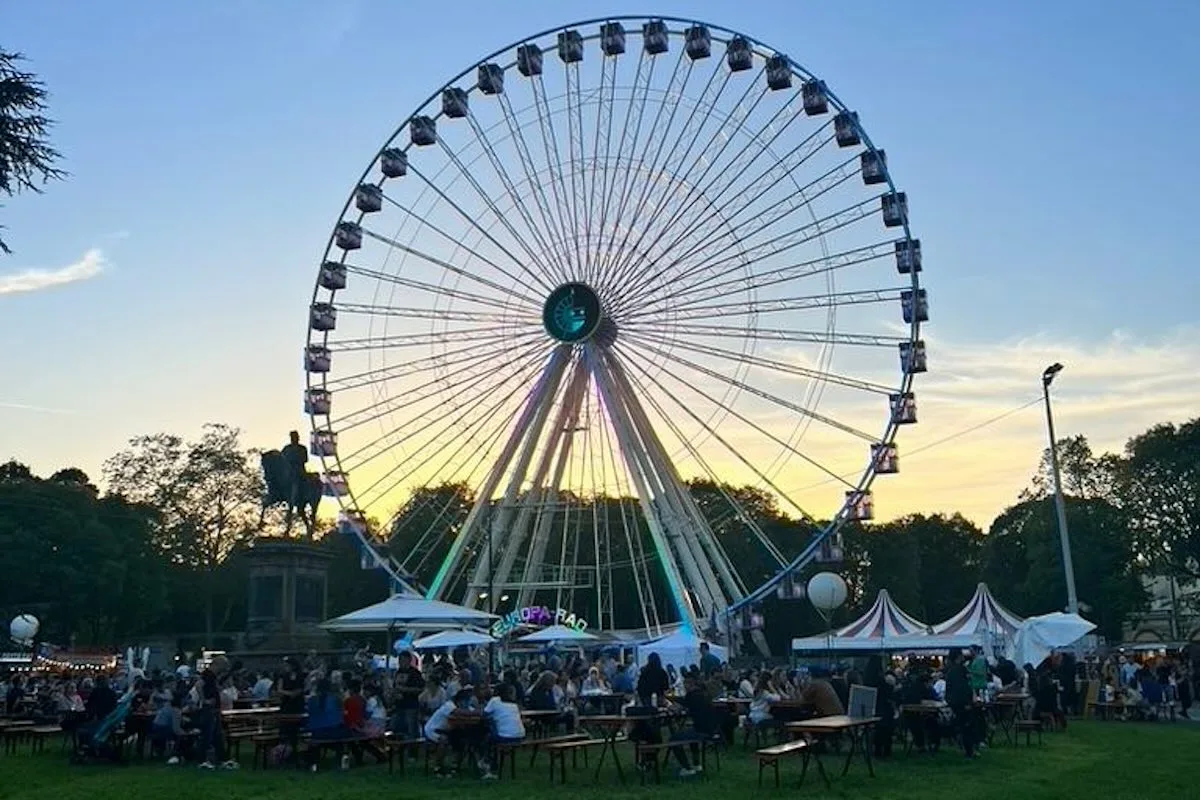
[242, 713]
[858, 729]
[611, 726]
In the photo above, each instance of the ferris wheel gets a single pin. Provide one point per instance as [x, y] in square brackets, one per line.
[601, 265]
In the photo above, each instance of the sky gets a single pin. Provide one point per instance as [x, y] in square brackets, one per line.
[1044, 149]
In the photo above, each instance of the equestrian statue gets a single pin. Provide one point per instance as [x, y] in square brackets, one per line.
[289, 481]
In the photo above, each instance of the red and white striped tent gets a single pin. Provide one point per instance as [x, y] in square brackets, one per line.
[884, 626]
[983, 614]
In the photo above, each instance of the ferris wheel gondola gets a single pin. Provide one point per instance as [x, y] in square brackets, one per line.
[591, 267]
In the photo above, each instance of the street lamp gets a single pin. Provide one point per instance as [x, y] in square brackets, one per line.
[1060, 506]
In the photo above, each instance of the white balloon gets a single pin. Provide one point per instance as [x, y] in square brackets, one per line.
[827, 591]
[23, 627]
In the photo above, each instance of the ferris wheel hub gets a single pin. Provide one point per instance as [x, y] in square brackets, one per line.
[572, 313]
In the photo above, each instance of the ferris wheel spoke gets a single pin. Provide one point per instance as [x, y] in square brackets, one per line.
[740, 237]
[484, 232]
[461, 368]
[758, 391]
[498, 344]
[674, 166]
[708, 430]
[425, 339]
[770, 305]
[544, 234]
[435, 289]
[715, 288]
[772, 334]
[642, 216]
[558, 184]
[466, 432]
[452, 268]
[448, 315]
[578, 169]
[612, 162]
[445, 411]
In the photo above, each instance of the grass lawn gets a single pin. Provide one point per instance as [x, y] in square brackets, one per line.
[1093, 760]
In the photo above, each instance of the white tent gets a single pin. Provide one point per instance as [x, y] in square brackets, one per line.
[884, 626]
[558, 633]
[408, 611]
[1038, 637]
[452, 639]
[681, 648]
[982, 613]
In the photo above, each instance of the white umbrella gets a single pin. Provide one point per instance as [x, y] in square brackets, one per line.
[558, 633]
[452, 639]
[407, 611]
[1038, 637]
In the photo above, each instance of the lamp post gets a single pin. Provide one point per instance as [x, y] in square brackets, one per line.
[1060, 506]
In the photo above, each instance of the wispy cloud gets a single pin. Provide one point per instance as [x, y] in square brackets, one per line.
[33, 280]
[34, 408]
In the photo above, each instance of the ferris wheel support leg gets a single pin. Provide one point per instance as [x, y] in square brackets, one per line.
[564, 420]
[690, 527]
[545, 386]
[614, 402]
[501, 520]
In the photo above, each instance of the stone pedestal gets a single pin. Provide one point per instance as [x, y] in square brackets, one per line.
[287, 597]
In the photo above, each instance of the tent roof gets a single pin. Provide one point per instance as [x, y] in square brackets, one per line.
[407, 610]
[883, 620]
[452, 639]
[982, 613]
[558, 633]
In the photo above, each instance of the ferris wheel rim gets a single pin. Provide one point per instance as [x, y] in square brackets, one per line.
[720, 34]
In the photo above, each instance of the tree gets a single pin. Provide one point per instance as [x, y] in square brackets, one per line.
[1159, 484]
[1023, 561]
[207, 493]
[73, 476]
[13, 471]
[26, 157]
[1084, 474]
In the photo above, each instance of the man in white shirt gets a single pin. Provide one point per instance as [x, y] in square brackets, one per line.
[939, 686]
[436, 728]
[507, 727]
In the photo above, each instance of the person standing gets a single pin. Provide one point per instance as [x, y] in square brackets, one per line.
[409, 686]
[961, 701]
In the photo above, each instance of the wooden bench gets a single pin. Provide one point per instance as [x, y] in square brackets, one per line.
[558, 751]
[535, 745]
[1105, 709]
[1029, 727]
[770, 756]
[397, 747]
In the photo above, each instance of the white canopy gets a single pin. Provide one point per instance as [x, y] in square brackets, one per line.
[452, 639]
[681, 648]
[982, 613]
[880, 628]
[1038, 637]
[558, 633]
[408, 611]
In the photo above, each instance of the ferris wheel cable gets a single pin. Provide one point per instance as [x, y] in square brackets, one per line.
[772, 305]
[577, 167]
[477, 335]
[785, 274]
[424, 286]
[767, 334]
[824, 184]
[446, 406]
[684, 129]
[601, 193]
[418, 394]
[714, 434]
[741, 385]
[760, 185]
[484, 231]
[558, 186]
[782, 403]
[675, 169]
[378, 375]
[607, 186]
[447, 315]
[460, 271]
[422, 221]
[675, 89]
[503, 219]
[466, 439]
[545, 233]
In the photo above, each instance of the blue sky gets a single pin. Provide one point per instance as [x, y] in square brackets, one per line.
[1047, 151]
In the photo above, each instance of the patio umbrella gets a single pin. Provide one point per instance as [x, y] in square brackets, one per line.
[452, 639]
[558, 633]
[1038, 637]
[408, 611]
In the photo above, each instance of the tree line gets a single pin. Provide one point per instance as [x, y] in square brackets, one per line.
[158, 551]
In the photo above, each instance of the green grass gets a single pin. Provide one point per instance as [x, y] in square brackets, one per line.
[1090, 761]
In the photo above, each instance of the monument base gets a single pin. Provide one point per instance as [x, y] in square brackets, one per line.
[288, 597]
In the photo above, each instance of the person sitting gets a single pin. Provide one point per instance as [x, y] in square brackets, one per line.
[325, 723]
[595, 683]
[622, 682]
[505, 724]
[437, 728]
[705, 726]
[759, 716]
[820, 694]
[166, 731]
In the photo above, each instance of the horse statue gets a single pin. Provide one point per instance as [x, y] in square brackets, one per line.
[275, 475]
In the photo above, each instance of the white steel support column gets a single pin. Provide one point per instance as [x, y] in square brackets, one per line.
[502, 519]
[535, 497]
[550, 377]
[630, 451]
[685, 530]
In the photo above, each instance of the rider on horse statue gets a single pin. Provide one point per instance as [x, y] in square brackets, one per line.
[295, 456]
[289, 483]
